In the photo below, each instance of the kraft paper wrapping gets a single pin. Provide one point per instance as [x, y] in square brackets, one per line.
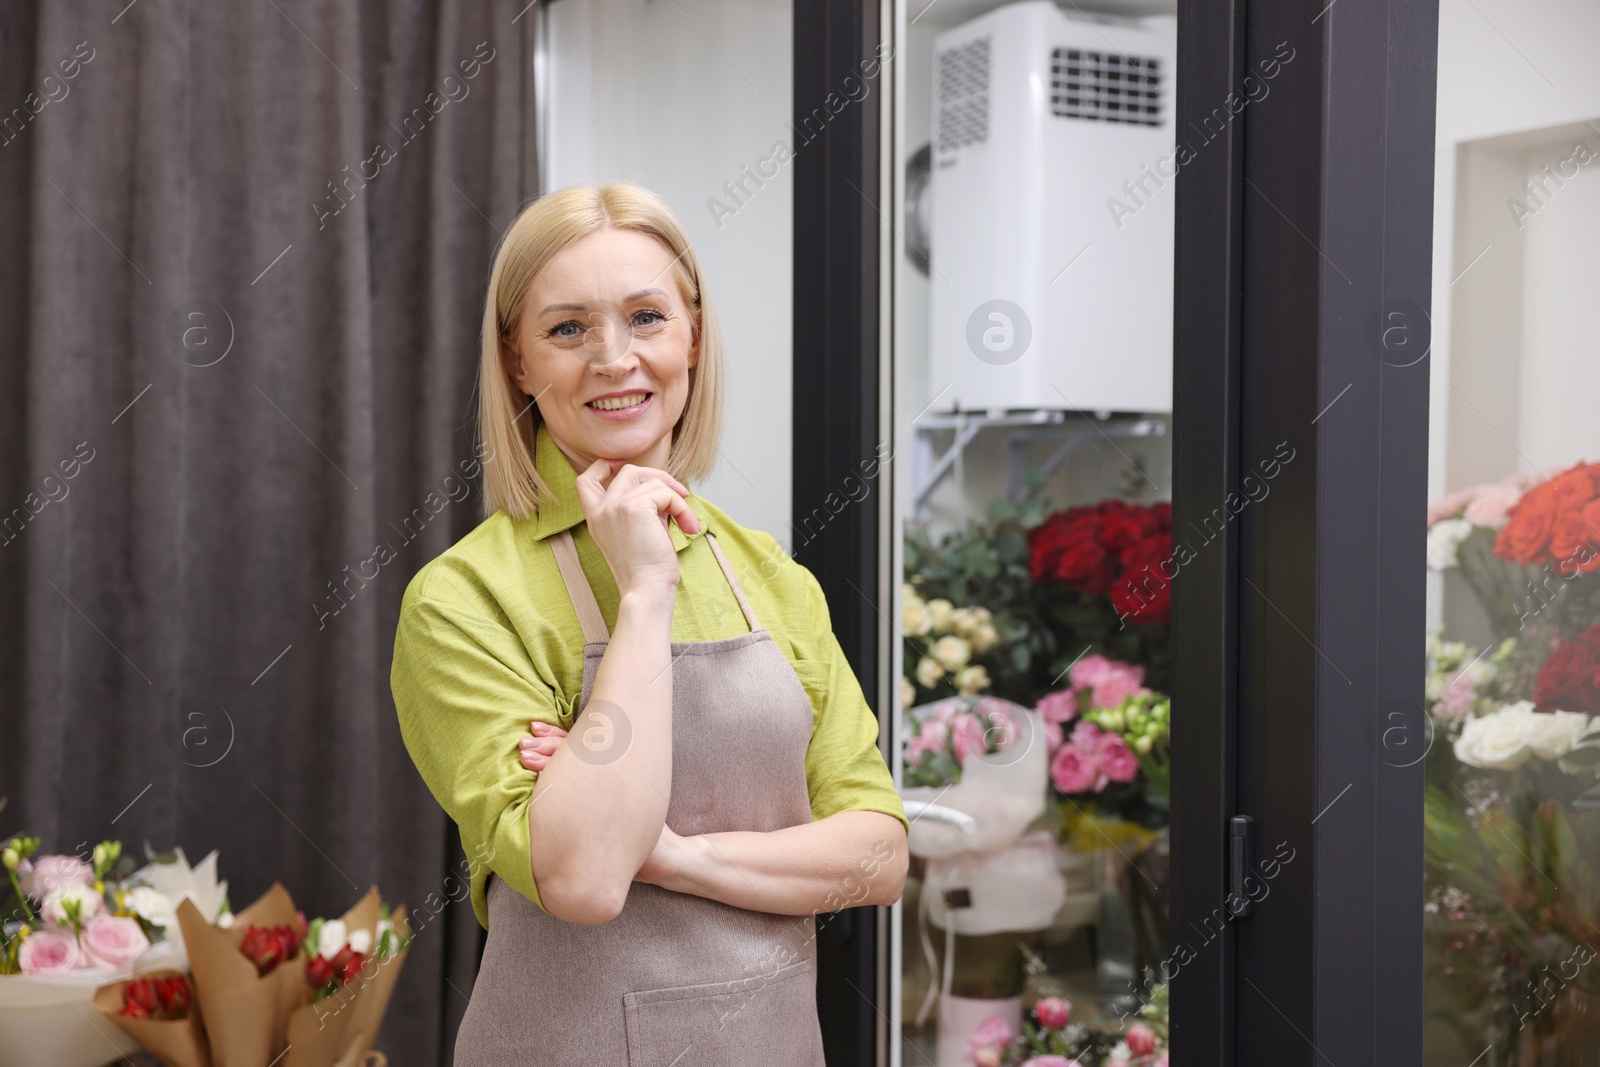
[176, 1042]
[246, 1014]
[375, 986]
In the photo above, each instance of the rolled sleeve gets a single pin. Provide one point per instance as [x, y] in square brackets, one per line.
[844, 769]
[465, 691]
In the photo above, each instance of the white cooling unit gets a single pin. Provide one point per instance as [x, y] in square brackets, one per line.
[1051, 212]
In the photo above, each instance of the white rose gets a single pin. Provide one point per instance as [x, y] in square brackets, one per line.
[1497, 741]
[929, 673]
[1553, 734]
[972, 679]
[914, 617]
[952, 652]
[331, 938]
[151, 905]
[940, 612]
[984, 637]
[1444, 540]
[360, 941]
[225, 919]
[908, 693]
[88, 903]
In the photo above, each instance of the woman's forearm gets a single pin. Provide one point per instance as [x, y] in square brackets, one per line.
[848, 859]
[599, 805]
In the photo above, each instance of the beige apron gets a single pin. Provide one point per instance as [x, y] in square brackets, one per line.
[675, 980]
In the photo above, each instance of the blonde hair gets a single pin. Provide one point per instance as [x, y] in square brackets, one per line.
[508, 424]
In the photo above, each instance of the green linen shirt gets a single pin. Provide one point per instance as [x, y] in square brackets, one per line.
[488, 641]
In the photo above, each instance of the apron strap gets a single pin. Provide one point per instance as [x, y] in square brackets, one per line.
[738, 591]
[578, 588]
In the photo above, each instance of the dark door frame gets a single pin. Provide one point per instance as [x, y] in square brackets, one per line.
[1304, 254]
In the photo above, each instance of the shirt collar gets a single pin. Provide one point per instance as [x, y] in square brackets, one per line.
[563, 510]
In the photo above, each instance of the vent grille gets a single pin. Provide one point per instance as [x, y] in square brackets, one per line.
[1105, 88]
[964, 95]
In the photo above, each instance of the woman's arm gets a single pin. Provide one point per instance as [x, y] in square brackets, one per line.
[849, 859]
[600, 804]
[846, 860]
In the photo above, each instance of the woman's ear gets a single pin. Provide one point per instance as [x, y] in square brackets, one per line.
[694, 346]
[511, 360]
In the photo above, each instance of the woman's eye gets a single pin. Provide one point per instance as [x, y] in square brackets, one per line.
[652, 316]
[566, 329]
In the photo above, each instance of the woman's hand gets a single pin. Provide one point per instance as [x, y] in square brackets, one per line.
[627, 508]
[540, 745]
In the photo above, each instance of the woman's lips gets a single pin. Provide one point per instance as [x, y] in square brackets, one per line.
[623, 414]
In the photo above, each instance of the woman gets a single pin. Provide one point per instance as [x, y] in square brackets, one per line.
[649, 880]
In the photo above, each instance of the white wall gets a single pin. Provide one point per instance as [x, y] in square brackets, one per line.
[1514, 343]
[679, 96]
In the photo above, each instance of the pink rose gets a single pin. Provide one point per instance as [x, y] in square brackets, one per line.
[1061, 706]
[111, 941]
[1086, 735]
[1053, 1013]
[1087, 672]
[51, 874]
[1050, 1061]
[1141, 1039]
[1117, 760]
[49, 952]
[935, 734]
[1074, 770]
[991, 1036]
[1052, 737]
[966, 736]
[1119, 681]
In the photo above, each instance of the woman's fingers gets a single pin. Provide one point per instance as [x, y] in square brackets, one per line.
[535, 750]
[668, 503]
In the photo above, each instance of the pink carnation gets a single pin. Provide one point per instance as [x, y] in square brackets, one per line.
[1450, 505]
[49, 952]
[48, 875]
[1117, 760]
[1494, 503]
[1060, 706]
[1052, 737]
[111, 941]
[1455, 702]
[1119, 683]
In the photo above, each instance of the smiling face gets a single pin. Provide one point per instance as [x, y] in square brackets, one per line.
[604, 346]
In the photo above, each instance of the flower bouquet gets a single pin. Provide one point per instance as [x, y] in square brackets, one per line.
[1512, 822]
[1049, 1037]
[73, 924]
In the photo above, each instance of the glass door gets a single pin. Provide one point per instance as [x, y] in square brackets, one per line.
[1033, 168]
[1512, 824]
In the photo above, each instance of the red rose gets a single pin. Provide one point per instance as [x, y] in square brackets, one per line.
[1567, 680]
[141, 994]
[174, 995]
[319, 972]
[347, 962]
[1573, 488]
[1526, 535]
[134, 1010]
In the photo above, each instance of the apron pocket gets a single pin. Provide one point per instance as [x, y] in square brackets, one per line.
[769, 1019]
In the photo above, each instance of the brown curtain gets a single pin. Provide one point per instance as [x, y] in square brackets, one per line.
[243, 253]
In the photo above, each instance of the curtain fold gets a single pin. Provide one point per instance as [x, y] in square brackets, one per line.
[245, 252]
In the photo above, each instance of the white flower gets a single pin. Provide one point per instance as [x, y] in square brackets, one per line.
[360, 941]
[331, 938]
[914, 616]
[386, 928]
[1444, 539]
[152, 905]
[1506, 739]
[928, 673]
[88, 903]
[940, 611]
[1120, 1053]
[985, 637]
[952, 652]
[1553, 734]
[225, 920]
[972, 679]
[908, 693]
